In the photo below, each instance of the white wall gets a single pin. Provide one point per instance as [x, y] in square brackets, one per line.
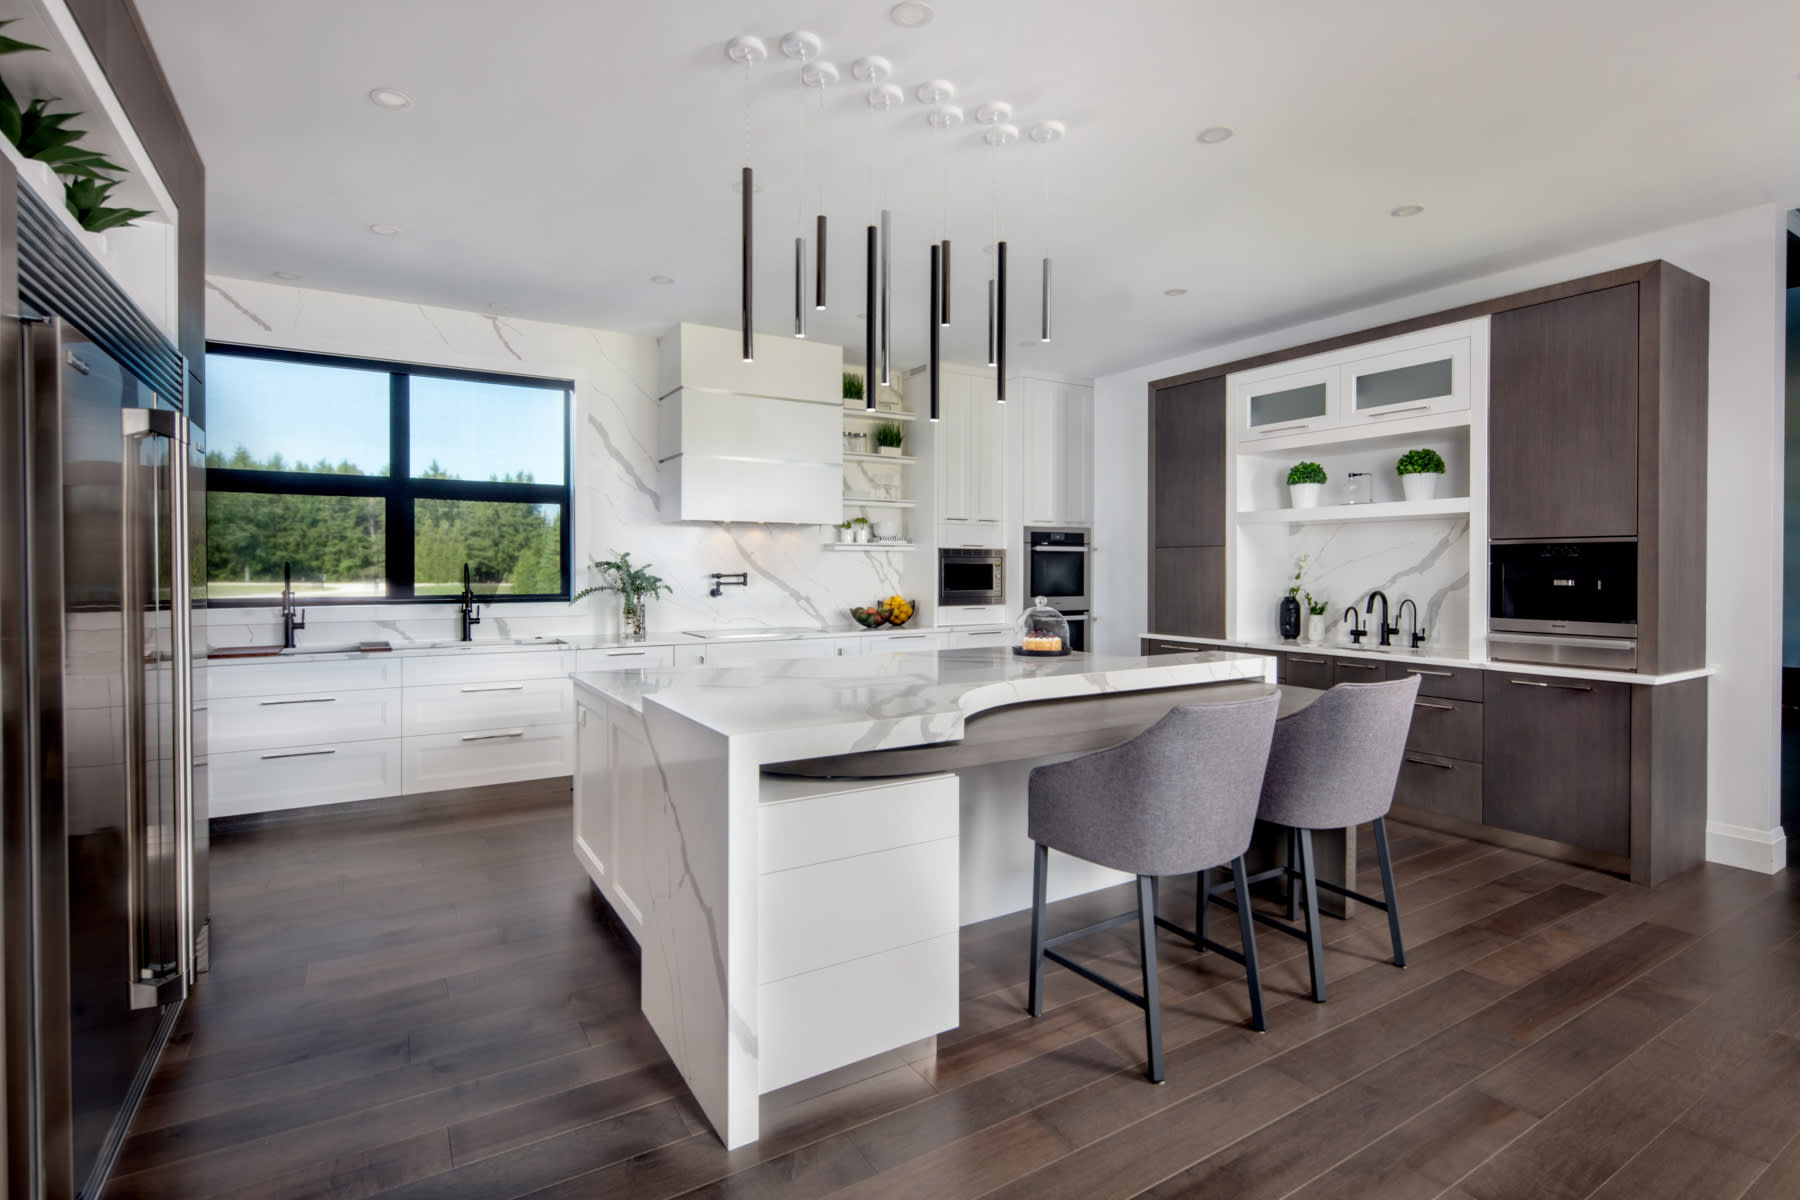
[793, 579]
[1743, 256]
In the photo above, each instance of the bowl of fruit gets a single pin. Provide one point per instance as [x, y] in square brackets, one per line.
[895, 611]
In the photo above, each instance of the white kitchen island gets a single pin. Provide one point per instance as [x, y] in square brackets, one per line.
[791, 923]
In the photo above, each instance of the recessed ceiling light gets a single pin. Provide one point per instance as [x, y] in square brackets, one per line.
[1407, 210]
[661, 279]
[288, 275]
[385, 230]
[1213, 135]
[1174, 291]
[387, 97]
[911, 14]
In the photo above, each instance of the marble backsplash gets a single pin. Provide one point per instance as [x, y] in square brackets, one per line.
[794, 579]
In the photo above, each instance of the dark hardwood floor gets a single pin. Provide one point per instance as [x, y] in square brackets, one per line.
[410, 1007]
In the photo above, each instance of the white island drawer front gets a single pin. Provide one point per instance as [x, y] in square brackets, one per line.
[624, 658]
[295, 676]
[832, 912]
[437, 762]
[488, 667]
[459, 707]
[817, 1022]
[302, 719]
[806, 821]
[250, 781]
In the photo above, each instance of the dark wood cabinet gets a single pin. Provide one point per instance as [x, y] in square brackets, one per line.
[1187, 499]
[1357, 670]
[1304, 670]
[1453, 683]
[1446, 728]
[1435, 784]
[1188, 590]
[1563, 418]
[1556, 754]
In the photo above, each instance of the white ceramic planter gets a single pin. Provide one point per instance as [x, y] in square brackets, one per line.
[1422, 486]
[1306, 495]
[1316, 629]
[846, 536]
[862, 535]
[888, 451]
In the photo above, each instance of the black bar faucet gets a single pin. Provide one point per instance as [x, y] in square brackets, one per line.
[470, 612]
[1385, 632]
[1417, 637]
[291, 618]
[1357, 632]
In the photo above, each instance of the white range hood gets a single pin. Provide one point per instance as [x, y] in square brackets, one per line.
[756, 441]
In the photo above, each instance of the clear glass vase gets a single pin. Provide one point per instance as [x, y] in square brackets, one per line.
[631, 619]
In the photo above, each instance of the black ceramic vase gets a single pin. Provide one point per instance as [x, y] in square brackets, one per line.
[1290, 618]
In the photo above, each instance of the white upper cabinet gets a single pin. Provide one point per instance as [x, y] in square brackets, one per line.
[1349, 393]
[1056, 463]
[968, 458]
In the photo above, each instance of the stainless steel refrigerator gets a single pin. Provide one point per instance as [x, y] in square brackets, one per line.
[101, 818]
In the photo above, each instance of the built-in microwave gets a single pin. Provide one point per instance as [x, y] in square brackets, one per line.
[1568, 602]
[968, 576]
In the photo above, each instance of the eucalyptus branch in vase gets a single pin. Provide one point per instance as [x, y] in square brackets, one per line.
[634, 583]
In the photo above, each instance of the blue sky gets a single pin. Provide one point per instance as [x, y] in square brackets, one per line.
[308, 412]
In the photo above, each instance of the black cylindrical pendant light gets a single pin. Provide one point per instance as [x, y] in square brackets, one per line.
[1000, 322]
[749, 185]
[937, 284]
[869, 313]
[990, 322]
[944, 291]
[819, 266]
[887, 299]
[1044, 333]
[799, 287]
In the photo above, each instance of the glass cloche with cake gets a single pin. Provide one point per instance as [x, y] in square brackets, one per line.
[1041, 631]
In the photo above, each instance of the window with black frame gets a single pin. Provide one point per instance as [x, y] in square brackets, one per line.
[378, 481]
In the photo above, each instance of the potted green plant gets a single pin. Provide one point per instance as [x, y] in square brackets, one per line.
[889, 437]
[1306, 482]
[1419, 472]
[853, 386]
[847, 532]
[1315, 618]
[860, 530]
[634, 584]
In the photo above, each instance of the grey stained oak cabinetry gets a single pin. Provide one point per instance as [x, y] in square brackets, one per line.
[1559, 754]
[1187, 509]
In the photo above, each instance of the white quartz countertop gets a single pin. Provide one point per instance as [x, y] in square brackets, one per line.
[1441, 656]
[703, 637]
[804, 707]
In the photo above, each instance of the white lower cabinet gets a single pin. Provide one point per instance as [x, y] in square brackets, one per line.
[967, 639]
[727, 653]
[436, 762]
[616, 788]
[270, 722]
[857, 902]
[903, 643]
[625, 658]
[457, 707]
[249, 781]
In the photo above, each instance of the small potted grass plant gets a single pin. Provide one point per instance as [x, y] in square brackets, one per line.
[1419, 472]
[1306, 482]
[889, 438]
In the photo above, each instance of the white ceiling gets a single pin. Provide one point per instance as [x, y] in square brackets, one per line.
[561, 152]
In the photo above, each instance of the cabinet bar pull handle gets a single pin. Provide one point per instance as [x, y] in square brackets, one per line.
[1283, 425]
[308, 700]
[1437, 674]
[1430, 762]
[1429, 704]
[492, 737]
[626, 653]
[1567, 687]
[1385, 412]
[497, 687]
[1311, 662]
[1356, 666]
[300, 753]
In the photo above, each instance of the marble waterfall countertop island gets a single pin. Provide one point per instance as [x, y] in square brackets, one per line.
[789, 924]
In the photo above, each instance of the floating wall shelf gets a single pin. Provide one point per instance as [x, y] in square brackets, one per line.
[1389, 510]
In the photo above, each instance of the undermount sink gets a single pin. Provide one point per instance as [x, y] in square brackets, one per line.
[451, 645]
[745, 635]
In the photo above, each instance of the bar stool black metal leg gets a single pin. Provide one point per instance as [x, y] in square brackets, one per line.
[1152, 1002]
[1034, 1003]
[1387, 890]
[1247, 931]
[1203, 903]
[1293, 892]
[1315, 946]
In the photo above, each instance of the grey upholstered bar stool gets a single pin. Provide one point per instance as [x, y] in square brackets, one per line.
[1333, 765]
[1179, 797]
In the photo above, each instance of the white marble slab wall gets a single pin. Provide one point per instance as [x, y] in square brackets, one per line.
[1425, 560]
[794, 580]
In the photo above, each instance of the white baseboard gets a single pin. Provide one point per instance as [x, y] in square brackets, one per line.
[1763, 850]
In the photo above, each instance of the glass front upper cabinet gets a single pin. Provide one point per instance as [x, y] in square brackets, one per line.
[1407, 383]
[1290, 404]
